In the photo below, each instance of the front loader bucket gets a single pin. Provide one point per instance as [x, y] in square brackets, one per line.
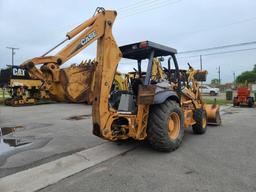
[213, 114]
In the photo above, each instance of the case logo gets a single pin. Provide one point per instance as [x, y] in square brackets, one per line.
[88, 38]
[84, 41]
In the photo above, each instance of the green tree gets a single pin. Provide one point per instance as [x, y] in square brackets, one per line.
[247, 77]
[215, 82]
[254, 68]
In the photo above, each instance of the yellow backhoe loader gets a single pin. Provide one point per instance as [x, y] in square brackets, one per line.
[147, 109]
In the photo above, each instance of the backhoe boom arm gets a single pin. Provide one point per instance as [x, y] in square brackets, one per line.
[85, 34]
[99, 27]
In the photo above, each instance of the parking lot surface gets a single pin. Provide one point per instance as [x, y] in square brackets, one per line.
[224, 159]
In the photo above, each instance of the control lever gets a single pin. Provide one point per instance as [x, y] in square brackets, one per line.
[190, 67]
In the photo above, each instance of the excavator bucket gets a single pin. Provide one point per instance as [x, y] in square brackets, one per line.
[76, 82]
[213, 114]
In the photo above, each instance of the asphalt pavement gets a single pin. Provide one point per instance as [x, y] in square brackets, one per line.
[52, 131]
[224, 159]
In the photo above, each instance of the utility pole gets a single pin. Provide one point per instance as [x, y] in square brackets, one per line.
[219, 74]
[13, 53]
[201, 68]
[201, 63]
[234, 76]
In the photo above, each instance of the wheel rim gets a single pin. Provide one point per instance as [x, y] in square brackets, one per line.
[174, 125]
[204, 122]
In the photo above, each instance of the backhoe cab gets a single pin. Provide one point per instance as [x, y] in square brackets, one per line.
[149, 109]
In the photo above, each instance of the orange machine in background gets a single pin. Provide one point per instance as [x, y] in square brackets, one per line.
[243, 97]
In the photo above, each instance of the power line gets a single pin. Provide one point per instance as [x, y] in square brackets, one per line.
[149, 8]
[137, 4]
[218, 47]
[142, 7]
[219, 53]
[233, 23]
[233, 51]
[216, 27]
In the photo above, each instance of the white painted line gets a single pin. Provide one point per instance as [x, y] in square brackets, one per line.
[44, 175]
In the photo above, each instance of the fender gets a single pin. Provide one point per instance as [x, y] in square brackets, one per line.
[161, 96]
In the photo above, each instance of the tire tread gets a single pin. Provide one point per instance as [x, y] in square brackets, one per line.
[158, 136]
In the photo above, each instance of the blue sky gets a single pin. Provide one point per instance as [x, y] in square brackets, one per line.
[36, 26]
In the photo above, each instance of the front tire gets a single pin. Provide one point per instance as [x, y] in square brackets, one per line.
[165, 126]
[200, 117]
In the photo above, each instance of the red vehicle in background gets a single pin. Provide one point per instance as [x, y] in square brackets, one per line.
[243, 97]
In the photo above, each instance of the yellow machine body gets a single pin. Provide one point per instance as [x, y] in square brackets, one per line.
[124, 121]
[25, 92]
[213, 114]
[121, 81]
[74, 85]
[29, 84]
[192, 97]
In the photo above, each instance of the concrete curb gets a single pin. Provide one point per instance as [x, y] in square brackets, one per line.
[47, 174]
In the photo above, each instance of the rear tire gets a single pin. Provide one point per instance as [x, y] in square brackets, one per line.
[165, 126]
[201, 121]
[235, 102]
[250, 102]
